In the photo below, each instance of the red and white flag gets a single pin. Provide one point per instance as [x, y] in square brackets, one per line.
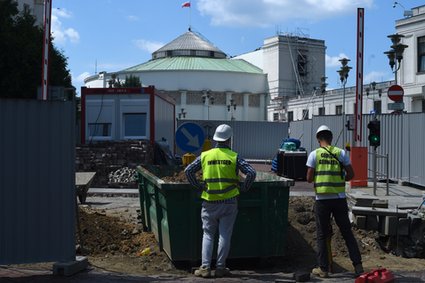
[186, 4]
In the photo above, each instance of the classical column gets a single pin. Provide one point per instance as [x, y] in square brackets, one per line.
[245, 109]
[262, 107]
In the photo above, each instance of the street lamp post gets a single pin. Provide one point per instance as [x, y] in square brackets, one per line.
[208, 99]
[343, 76]
[323, 90]
[231, 107]
[182, 113]
[395, 54]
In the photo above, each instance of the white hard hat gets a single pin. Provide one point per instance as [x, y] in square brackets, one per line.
[223, 133]
[323, 128]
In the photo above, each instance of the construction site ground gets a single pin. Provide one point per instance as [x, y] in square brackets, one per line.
[118, 250]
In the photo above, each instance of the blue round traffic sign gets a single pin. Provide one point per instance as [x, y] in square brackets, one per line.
[190, 137]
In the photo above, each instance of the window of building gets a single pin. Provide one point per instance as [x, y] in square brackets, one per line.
[290, 116]
[322, 111]
[100, 129]
[135, 125]
[377, 106]
[305, 114]
[302, 64]
[423, 105]
[338, 110]
[275, 116]
[421, 54]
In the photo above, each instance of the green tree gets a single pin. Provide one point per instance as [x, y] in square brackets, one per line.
[132, 81]
[21, 44]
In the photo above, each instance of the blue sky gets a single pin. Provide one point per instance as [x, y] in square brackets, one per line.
[110, 35]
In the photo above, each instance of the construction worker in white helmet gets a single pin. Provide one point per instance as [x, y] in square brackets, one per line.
[329, 167]
[220, 189]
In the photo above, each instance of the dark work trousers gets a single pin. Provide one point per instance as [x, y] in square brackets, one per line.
[323, 210]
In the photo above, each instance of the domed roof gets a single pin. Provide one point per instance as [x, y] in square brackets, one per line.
[189, 44]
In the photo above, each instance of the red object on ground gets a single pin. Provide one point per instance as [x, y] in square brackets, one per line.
[380, 275]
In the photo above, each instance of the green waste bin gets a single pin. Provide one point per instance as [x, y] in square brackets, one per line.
[172, 212]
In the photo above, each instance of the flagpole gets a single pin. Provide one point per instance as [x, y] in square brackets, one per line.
[188, 5]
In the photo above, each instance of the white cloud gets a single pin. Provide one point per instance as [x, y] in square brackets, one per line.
[62, 35]
[132, 18]
[147, 45]
[376, 76]
[269, 12]
[62, 13]
[334, 61]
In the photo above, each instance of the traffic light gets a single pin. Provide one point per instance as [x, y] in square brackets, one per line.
[374, 127]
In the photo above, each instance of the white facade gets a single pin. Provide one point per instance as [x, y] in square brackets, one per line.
[248, 92]
[294, 66]
[411, 76]
[374, 101]
[286, 66]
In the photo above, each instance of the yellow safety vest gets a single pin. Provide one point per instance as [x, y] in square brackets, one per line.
[219, 174]
[328, 177]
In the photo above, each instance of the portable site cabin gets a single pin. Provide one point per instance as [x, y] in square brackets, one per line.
[114, 114]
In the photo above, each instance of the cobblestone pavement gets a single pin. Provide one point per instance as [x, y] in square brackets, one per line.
[14, 274]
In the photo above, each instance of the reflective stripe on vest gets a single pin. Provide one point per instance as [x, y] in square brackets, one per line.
[219, 174]
[327, 174]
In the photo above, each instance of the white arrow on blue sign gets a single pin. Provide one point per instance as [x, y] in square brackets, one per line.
[190, 137]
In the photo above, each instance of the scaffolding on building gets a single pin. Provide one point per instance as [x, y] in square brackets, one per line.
[301, 60]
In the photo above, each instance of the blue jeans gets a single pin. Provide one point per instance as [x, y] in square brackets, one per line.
[323, 210]
[221, 216]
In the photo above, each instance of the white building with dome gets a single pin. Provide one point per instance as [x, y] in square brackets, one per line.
[205, 84]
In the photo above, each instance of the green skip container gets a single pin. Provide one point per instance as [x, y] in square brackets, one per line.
[171, 210]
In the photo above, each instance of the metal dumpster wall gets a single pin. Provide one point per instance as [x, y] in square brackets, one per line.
[263, 215]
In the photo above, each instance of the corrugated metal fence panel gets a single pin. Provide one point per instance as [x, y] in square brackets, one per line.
[306, 130]
[413, 141]
[252, 140]
[37, 181]
[302, 130]
[391, 145]
[258, 140]
[402, 140]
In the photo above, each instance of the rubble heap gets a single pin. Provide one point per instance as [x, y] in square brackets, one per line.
[123, 177]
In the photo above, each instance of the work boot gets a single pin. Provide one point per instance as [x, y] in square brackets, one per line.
[320, 272]
[204, 272]
[358, 269]
[222, 272]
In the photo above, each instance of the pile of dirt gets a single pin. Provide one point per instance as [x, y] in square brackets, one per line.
[301, 219]
[180, 177]
[115, 244]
